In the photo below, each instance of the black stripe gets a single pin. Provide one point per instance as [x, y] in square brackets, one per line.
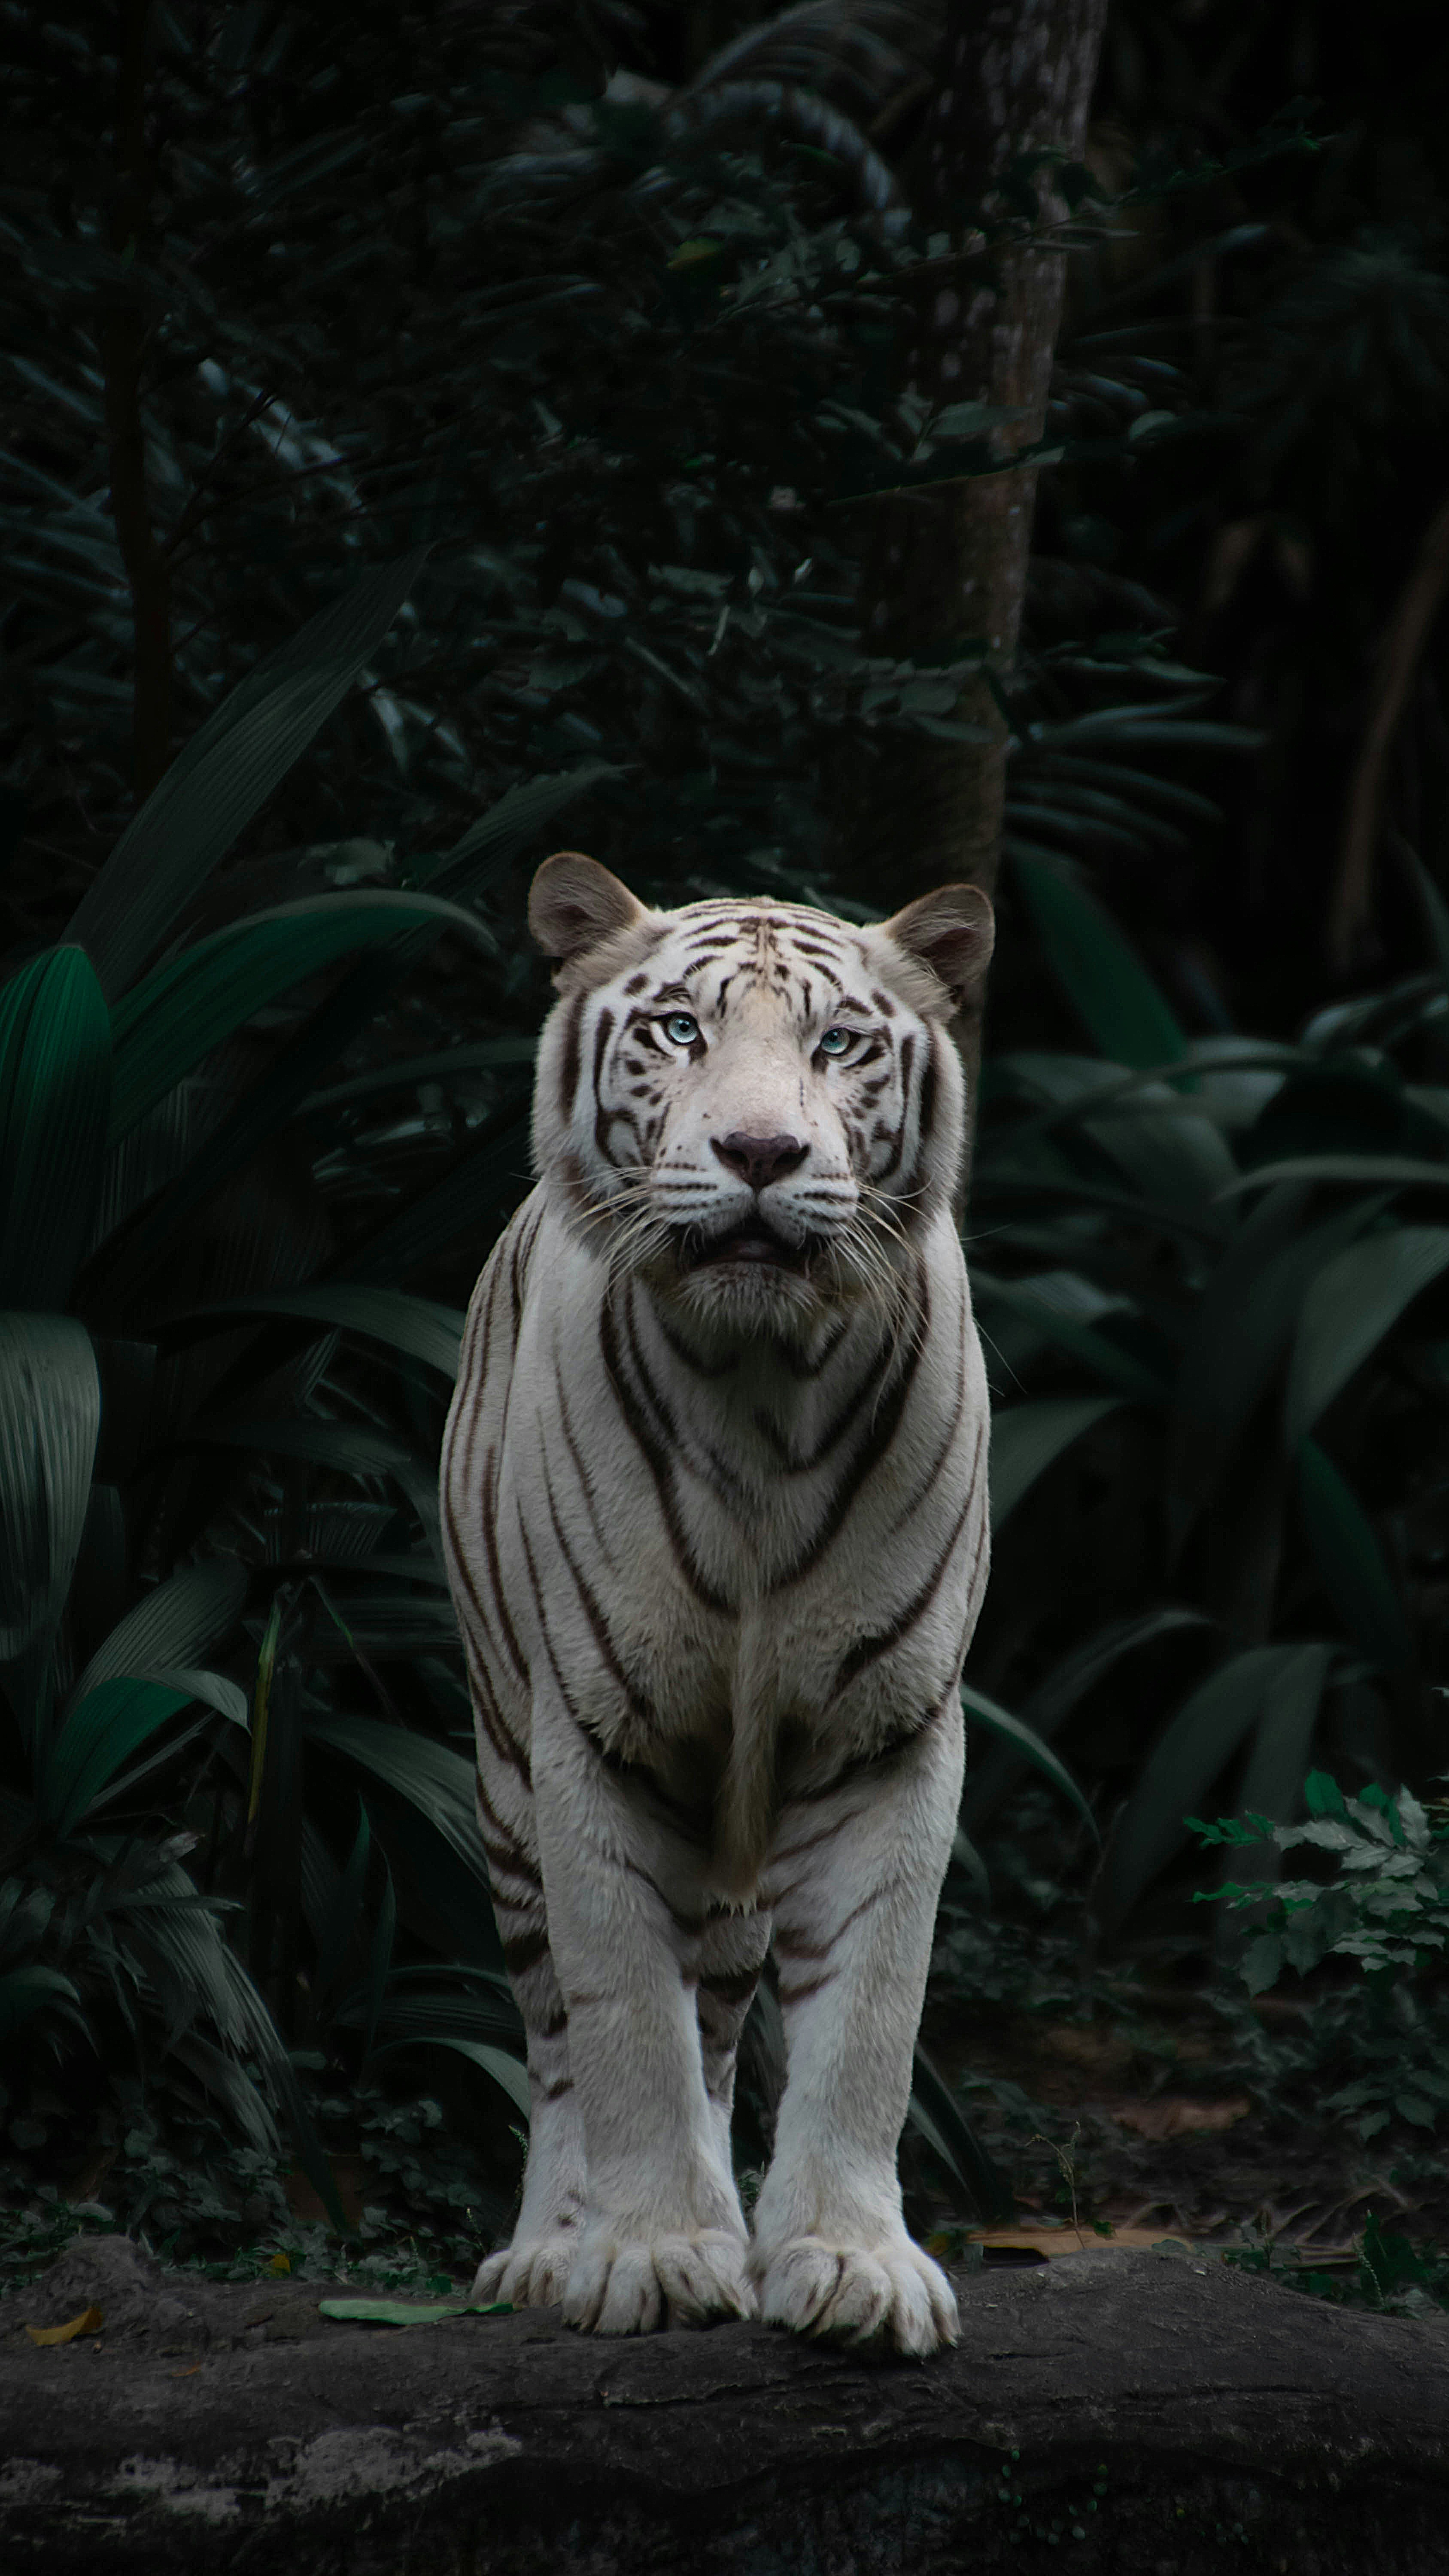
[636, 1702]
[580, 1469]
[835, 1430]
[568, 1080]
[603, 1031]
[869, 1650]
[656, 1457]
[524, 1952]
[734, 1988]
[908, 1058]
[929, 1080]
[864, 1464]
[490, 1550]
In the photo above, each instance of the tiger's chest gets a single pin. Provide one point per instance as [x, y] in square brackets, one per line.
[687, 1555]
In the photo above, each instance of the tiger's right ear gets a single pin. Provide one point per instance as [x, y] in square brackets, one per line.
[575, 905]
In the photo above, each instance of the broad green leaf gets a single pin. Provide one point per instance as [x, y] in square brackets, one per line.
[935, 2112]
[431, 1776]
[192, 1611]
[1241, 1328]
[1277, 1767]
[473, 1198]
[407, 2312]
[425, 1330]
[1063, 1689]
[355, 1447]
[101, 1732]
[1376, 1171]
[50, 1417]
[486, 1054]
[498, 836]
[506, 2071]
[227, 772]
[1192, 1750]
[1352, 1303]
[1351, 1562]
[1105, 1358]
[28, 1990]
[1026, 1438]
[1025, 1740]
[55, 1083]
[184, 1008]
[1103, 979]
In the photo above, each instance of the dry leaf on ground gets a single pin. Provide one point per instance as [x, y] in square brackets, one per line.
[90, 2321]
[1050, 2242]
[1176, 2115]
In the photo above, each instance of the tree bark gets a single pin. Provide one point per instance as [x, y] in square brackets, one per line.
[123, 338]
[1113, 2413]
[947, 566]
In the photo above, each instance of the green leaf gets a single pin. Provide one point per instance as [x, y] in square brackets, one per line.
[498, 837]
[1349, 1307]
[1103, 979]
[55, 1083]
[473, 1198]
[1062, 1690]
[1104, 1357]
[506, 2071]
[354, 1447]
[1272, 1783]
[1026, 1438]
[50, 1418]
[425, 1330]
[1377, 1171]
[192, 1611]
[227, 772]
[101, 1733]
[1192, 1750]
[1351, 1562]
[431, 1776]
[937, 2115]
[1011, 1730]
[184, 1008]
[407, 2312]
[26, 1991]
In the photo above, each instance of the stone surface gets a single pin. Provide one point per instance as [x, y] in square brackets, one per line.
[1110, 2412]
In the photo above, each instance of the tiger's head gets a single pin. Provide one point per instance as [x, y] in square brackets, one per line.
[752, 1104]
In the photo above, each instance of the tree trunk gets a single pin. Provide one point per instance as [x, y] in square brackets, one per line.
[123, 338]
[947, 566]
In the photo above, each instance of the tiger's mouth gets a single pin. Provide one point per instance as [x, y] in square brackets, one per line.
[750, 1245]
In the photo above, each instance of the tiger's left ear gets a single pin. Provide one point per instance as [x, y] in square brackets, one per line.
[575, 905]
[952, 932]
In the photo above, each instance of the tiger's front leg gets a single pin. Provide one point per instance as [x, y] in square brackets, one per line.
[663, 2237]
[854, 1880]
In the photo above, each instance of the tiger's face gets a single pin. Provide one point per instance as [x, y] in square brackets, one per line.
[752, 1104]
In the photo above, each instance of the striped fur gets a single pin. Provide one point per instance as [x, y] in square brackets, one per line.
[714, 1501]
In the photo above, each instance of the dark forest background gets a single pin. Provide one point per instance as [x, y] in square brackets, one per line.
[432, 434]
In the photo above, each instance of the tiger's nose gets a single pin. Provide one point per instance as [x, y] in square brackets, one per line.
[760, 1159]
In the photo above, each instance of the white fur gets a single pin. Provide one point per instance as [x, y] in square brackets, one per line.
[661, 1588]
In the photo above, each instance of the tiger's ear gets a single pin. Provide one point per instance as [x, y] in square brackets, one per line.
[952, 933]
[575, 905]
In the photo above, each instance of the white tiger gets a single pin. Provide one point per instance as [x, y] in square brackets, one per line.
[714, 1500]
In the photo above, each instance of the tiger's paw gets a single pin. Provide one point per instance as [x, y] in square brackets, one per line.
[857, 2294]
[532, 2272]
[633, 2285]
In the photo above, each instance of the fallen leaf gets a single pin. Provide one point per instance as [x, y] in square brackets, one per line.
[187, 2374]
[1177, 2115]
[280, 2263]
[1048, 2243]
[90, 2321]
[405, 2312]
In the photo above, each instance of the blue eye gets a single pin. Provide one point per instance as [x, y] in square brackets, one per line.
[836, 1042]
[681, 1028]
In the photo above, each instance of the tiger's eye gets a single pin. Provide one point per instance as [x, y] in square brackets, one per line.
[835, 1042]
[681, 1028]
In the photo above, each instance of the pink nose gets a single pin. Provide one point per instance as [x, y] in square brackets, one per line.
[760, 1159]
